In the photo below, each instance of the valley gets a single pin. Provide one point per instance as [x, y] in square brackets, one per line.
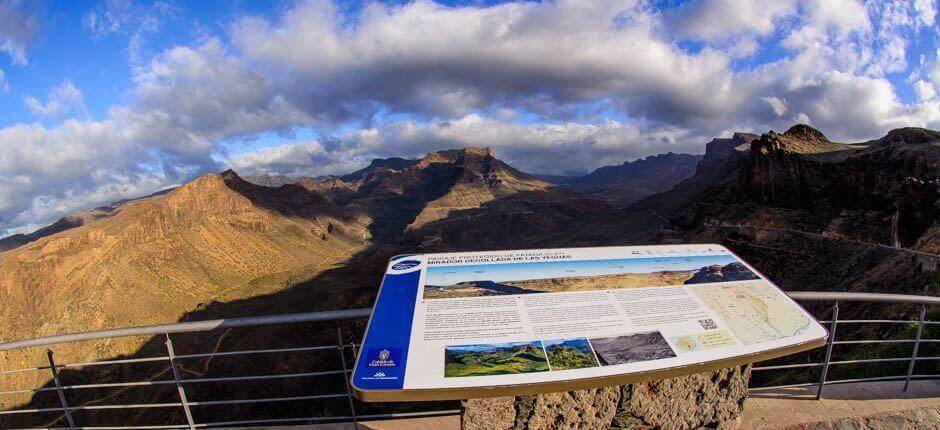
[223, 246]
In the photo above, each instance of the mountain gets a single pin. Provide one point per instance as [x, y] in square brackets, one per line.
[216, 239]
[634, 180]
[76, 219]
[807, 212]
[816, 214]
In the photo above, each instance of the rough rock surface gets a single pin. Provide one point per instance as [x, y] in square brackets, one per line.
[710, 400]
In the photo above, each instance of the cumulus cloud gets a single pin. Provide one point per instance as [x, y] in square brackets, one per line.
[554, 87]
[63, 100]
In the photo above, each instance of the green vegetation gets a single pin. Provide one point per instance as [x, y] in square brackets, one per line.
[483, 360]
[571, 354]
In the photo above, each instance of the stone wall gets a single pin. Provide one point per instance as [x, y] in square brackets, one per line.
[711, 400]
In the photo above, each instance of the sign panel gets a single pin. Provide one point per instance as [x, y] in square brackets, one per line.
[481, 324]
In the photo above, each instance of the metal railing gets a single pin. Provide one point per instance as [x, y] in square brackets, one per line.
[833, 323]
[66, 410]
[184, 403]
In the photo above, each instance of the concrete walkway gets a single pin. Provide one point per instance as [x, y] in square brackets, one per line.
[798, 408]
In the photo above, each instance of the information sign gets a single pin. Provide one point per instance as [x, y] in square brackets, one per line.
[482, 324]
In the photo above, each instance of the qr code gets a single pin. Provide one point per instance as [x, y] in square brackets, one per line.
[708, 324]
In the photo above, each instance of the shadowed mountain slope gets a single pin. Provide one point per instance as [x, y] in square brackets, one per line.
[217, 238]
[634, 180]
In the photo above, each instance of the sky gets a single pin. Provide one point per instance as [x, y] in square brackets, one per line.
[450, 275]
[106, 100]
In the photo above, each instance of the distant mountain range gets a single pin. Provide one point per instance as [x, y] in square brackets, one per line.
[224, 246]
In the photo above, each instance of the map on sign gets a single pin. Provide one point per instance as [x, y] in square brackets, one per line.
[463, 325]
[755, 311]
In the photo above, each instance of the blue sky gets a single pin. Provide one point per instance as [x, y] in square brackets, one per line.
[449, 275]
[105, 100]
[486, 347]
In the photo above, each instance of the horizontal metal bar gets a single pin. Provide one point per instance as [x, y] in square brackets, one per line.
[161, 426]
[258, 351]
[261, 377]
[272, 420]
[876, 322]
[135, 427]
[859, 342]
[31, 411]
[265, 400]
[869, 360]
[805, 384]
[28, 390]
[194, 326]
[927, 358]
[117, 384]
[90, 363]
[880, 378]
[25, 369]
[118, 361]
[829, 296]
[786, 366]
[847, 381]
[127, 406]
[333, 418]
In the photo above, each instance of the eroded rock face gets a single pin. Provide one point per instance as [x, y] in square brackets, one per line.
[711, 400]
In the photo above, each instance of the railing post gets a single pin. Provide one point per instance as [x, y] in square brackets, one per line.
[832, 339]
[346, 375]
[58, 388]
[920, 329]
[179, 385]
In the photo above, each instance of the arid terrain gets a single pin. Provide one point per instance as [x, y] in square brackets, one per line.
[809, 213]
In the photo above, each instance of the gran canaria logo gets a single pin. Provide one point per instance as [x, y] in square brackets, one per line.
[384, 357]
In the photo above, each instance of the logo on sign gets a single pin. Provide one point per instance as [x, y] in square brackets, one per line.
[384, 357]
[405, 265]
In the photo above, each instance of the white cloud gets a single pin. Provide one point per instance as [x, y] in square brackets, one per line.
[731, 25]
[778, 105]
[444, 62]
[537, 81]
[133, 20]
[925, 90]
[926, 11]
[18, 26]
[63, 100]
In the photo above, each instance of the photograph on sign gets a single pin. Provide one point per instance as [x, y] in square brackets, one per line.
[480, 324]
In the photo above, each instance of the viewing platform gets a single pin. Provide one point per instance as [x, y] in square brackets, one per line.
[831, 399]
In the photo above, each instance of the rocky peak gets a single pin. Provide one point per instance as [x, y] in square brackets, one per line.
[724, 148]
[805, 132]
[909, 135]
[456, 156]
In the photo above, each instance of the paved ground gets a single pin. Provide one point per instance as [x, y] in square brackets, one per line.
[767, 410]
[779, 409]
